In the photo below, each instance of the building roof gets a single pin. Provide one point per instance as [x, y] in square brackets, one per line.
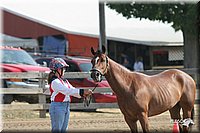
[147, 43]
[82, 17]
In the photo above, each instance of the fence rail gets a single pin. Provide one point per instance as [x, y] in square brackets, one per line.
[42, 91]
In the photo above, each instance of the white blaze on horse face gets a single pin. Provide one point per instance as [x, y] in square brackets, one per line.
[96, 60]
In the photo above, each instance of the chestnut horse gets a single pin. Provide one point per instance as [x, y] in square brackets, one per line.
[140, 96]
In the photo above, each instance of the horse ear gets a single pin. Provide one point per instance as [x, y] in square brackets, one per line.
[92, 50]
[103, 49]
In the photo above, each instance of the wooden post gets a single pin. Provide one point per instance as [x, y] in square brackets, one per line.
[42, 97]
[198, 43]
[102, 37]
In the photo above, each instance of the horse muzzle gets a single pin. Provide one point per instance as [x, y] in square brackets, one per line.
[96, 75]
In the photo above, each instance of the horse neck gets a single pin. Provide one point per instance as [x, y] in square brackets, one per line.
[117, 76]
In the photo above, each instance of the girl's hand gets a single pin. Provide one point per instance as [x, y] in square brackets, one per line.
[87, 93]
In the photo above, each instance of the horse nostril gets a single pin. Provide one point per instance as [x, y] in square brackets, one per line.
[98, 74]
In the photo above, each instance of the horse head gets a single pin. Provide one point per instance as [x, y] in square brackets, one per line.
[99, 64]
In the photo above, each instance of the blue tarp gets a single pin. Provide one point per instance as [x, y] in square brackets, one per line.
[53, 45]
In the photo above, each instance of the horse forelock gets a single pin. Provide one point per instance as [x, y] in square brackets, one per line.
[98, 53]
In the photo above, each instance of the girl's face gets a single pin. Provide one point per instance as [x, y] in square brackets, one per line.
[61, 71]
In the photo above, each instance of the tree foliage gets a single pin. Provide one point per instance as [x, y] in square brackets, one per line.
[181, 15]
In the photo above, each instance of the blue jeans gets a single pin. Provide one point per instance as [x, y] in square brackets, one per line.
[59, 113]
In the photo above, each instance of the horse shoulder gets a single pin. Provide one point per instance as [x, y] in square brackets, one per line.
[142, 94]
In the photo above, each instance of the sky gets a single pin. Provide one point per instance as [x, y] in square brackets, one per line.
[82, 16]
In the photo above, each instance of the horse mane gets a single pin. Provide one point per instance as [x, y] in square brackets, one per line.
[124, 75]
[121, 68]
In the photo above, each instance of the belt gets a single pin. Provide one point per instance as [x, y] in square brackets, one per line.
[60, 102]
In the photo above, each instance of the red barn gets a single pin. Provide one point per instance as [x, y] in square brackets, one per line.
[16, 25]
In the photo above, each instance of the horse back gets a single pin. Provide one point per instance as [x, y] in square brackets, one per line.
[178, 80]
[166, 89]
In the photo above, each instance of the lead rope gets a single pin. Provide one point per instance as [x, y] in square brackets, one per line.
[87, 100]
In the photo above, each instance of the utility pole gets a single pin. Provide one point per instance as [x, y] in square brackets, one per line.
[102, 37]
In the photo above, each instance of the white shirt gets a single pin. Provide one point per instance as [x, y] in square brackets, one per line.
[60, 86]
[138, 66]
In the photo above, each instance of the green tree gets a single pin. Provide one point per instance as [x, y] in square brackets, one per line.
[182, 16]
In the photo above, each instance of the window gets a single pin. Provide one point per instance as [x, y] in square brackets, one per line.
[86, 67]
[72, 67]
[17, 57]
[164, 58]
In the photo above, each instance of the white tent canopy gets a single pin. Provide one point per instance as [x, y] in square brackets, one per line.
[7, 40]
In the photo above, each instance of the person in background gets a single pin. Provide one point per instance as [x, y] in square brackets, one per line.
[60, 95]
[138, 65]
[126, 61]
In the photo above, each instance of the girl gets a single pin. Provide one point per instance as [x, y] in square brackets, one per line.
[60, 95]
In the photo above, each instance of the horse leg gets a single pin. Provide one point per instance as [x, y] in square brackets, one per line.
[132, 123]
[187, 114]
[143, 118]
[175, 113]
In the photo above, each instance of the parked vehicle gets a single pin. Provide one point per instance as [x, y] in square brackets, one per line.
[77, 64]
[18, 60]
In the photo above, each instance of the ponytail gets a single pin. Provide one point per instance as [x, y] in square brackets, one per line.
[51, 77]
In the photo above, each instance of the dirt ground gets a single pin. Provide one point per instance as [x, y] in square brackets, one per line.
[102, 120]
